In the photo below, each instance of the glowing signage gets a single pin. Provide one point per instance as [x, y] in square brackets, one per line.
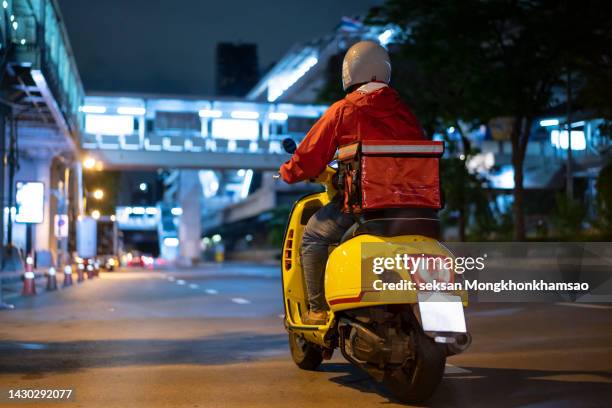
[30, 202]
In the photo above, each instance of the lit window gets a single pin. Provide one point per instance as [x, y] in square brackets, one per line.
[235, 129]
[504, 179]
[560, 139]
[116, 125]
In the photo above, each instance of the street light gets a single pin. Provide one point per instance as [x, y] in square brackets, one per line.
[95, 214]
[89, 163]
[98, 194]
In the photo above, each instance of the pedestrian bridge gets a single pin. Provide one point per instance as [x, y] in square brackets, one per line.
[152, 132]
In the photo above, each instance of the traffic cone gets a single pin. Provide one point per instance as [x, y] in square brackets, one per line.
[29, 285]
[51, 279]
[80, 268]
[67, 275]
[90, 270]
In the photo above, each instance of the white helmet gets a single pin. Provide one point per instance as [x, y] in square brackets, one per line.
[365, 61]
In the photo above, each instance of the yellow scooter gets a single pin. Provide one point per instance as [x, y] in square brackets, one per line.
[401, 340]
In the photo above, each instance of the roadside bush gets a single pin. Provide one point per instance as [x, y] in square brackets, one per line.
[567, 216]
[604, 199]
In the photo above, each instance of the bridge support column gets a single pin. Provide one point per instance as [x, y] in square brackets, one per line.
[190, 225]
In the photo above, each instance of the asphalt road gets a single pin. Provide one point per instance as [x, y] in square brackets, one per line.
[213, 337]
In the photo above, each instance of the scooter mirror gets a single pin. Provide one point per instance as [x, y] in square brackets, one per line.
[289, 145]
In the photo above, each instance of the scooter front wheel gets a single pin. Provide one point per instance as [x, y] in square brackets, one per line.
[305, 354]
[418, 381]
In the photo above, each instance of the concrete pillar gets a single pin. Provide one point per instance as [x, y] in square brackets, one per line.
[43, 232]
[190, 225]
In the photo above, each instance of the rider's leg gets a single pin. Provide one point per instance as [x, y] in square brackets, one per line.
[324, 228]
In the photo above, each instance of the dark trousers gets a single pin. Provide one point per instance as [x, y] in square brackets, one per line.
[324, 228]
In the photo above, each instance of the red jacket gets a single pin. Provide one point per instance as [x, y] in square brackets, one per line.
[377, 115]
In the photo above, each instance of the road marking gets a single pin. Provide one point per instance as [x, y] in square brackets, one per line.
[241, 301]
[584, 305]
[32, 346]
[194, 285]
[451, 369]
[180, 282]
[211, 291]
[496, 312]
[573, 378]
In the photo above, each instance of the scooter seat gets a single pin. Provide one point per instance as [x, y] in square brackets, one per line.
[396, 222]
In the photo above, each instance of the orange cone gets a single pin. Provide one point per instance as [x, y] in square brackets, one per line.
[67, 275]
[29, 285]
[51, 279]
[80, 269]
[90, 270]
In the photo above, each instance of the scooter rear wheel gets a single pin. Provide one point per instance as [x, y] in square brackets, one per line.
[418, 382]
[305, 355]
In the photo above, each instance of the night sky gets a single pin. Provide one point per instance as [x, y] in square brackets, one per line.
[168, 46]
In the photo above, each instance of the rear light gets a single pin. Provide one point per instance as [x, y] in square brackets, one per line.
[288, 250]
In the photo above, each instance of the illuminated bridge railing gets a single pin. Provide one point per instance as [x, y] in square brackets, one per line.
[150, 124]
[194, 144]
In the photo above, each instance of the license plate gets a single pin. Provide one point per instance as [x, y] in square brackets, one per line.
[441, 312]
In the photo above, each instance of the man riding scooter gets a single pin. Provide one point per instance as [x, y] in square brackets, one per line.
[371, 110]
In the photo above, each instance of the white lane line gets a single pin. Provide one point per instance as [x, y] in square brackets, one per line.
[194, 285]
[496, 312]
[211, 291]
[584, 305]
[180, 282]
[451, 369]
[241, 301]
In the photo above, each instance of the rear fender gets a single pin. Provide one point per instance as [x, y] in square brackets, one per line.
[343, 279]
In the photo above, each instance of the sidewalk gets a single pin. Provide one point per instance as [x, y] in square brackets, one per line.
[11, 283]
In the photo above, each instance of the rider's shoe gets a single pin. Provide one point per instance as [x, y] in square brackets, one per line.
[315, 318]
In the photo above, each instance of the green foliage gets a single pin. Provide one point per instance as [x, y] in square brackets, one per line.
[604, 199]
[479, 59]
[567, 216]
[491, 224]
[464, 193]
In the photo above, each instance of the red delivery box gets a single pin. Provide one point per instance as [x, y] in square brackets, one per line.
[379, 174]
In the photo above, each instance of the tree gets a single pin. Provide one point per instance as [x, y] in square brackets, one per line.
[462, 192]
[604, 198]
[497, 58]
[567, 216]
